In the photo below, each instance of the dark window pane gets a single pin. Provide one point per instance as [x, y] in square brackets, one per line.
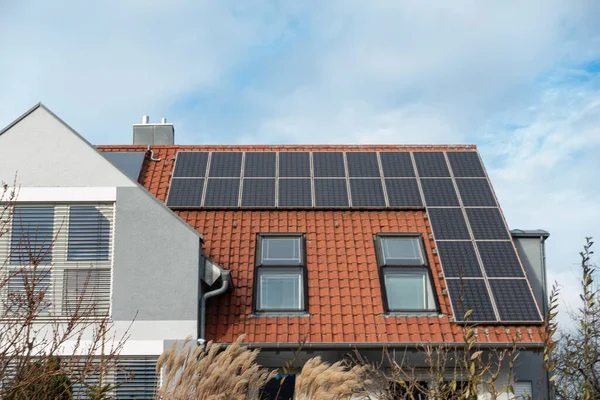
[280, 290]
[281, 250]
[89, 234]
[408, 290]
[401, 251]
[32, 235]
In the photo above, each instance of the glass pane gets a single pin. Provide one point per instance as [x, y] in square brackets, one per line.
[402, 250]
[284, 250]
[32, 235]
[405, 291]
[280, 291]
[89, 234]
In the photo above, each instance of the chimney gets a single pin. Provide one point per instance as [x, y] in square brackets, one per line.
[148, 133]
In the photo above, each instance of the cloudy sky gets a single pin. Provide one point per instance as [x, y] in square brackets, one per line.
[519, 79]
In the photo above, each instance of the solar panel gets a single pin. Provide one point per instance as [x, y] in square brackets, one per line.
[397, 164]
[465, 164]
[295, 193]
[260, 165]
[514, 300]
[129, 162]
[222, 193]
[367, 193]
[448, 224]
[294, 164]
[190, 164]
[500, 260]
[471, 294]
[475, 192]
[362, 164]
[331, 193]
[328, 164]
[225, 164]
[185, 192]
[487, 224]
[439, 192]
[431, 164]
[258, 193]
[459, 259]
[403, 193]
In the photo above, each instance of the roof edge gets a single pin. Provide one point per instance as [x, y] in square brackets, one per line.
[441, 147]
[530, 233]
[379, 345]
[22, 117]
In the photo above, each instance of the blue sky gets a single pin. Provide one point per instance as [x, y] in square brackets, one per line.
[520, 80]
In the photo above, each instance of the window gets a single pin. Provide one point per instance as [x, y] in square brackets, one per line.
[61, 255]
[89, 234]
[280, 276]
[404, 273]
[32, 235]
[522, 391]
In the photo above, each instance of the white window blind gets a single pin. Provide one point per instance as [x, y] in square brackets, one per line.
[76, 242]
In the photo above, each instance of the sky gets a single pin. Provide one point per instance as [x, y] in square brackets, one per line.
[521, 80]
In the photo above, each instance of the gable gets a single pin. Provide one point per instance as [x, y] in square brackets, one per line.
[40, 150]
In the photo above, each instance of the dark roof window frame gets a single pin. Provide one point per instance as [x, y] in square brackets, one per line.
[410, 267]
[262, 268]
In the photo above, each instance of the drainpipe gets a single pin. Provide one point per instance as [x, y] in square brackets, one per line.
[225, 285]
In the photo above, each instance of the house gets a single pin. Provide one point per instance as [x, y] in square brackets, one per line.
[322, 248]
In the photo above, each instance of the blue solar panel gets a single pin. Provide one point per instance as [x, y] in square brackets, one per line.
[448, 224]
[475, 192]
[185, 192]
[294, 164]
[367, 193]
[190, 164]
[260, 165]
[403, 193]
[439, 192]
[362, 164]
[225, 164]
[331, 193]
[465, 164]
[295, 193]
[222, 192]
[431, 164]
[500, 259]
[459, 259]
[328, 164]
[397, 164]
[514, 300]
[471, 295]
[487, 224]
[258, 192]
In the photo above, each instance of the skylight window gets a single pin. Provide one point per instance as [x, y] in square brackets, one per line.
[280, 273]
[405, 274]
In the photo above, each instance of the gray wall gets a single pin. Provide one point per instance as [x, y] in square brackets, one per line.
[530, 250]
[155, 261]
[41, 150]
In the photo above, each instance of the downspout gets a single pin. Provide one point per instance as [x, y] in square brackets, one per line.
[225, 283]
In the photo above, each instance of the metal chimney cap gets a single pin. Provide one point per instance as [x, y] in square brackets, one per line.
[145, 119]
[163, 120]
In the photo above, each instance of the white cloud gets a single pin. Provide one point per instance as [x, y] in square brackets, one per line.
[504, 74]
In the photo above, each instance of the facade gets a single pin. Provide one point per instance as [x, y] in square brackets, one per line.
[325, 248]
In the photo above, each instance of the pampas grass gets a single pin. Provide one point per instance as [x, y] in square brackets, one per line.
[323, 381]
[197, 372]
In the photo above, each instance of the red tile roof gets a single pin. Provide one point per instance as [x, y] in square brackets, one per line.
[344, 291]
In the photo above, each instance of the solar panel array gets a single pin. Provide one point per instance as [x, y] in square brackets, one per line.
[481, 267]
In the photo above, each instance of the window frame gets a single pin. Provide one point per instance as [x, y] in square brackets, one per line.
[407, 268]
[61, 291]
[262, 268]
